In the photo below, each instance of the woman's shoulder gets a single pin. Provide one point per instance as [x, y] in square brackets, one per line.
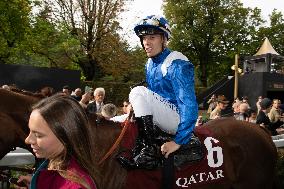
[74, 167]
[52, 179]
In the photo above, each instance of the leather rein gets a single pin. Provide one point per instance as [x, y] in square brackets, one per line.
[118, 140]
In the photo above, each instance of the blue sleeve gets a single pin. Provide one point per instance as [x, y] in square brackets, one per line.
[183, 84]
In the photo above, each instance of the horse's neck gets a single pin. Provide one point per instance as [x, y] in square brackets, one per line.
[15, 110]
[15, 102]
[105, 135]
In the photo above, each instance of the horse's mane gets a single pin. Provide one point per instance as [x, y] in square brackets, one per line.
[27, 93]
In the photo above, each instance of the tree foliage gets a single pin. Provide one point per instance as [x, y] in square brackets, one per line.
[69, 34]
[14, 19]
[275, 32]
[91, 22]
[123, 63]
[210, 32]
[83, 34]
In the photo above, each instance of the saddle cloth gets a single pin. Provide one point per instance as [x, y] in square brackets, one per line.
[208, 170]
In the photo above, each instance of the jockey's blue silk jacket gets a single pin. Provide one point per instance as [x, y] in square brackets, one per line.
[171, 75]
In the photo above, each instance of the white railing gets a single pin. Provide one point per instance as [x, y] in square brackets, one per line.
[278, 141]
[19, 156]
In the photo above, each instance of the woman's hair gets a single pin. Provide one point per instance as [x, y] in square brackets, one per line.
[126, 101]
[69, 122]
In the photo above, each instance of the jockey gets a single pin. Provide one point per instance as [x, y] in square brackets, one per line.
[169, 101]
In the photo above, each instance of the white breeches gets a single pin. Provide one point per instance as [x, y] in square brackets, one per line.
[146, 102]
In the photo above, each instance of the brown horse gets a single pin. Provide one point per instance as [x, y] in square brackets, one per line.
[14, 114]
[242, 155]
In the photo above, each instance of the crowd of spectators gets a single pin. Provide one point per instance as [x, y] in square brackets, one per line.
[268, 113]
[92, 100]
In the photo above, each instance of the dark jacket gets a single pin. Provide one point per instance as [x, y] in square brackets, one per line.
[262, 118]
[92, 107]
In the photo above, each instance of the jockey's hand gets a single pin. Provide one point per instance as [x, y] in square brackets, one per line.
[26, 179]
[169, 147]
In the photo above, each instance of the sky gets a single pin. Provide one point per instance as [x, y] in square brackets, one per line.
[138, 9]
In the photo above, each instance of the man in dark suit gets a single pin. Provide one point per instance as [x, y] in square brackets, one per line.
[97, 104]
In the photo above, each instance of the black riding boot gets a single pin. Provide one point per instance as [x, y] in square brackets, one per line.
[147, 157]
[145, 153]
[125, 158]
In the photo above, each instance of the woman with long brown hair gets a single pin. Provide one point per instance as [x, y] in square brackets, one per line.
[60, 133]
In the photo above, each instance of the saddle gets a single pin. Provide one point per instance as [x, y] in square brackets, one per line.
[144, 150]
[186, 154]
[189, 153]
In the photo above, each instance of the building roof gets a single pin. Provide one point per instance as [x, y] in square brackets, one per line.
[266, 48]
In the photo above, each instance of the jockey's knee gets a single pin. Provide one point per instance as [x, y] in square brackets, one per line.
[137, 91]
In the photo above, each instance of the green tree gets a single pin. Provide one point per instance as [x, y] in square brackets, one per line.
[210, 32]
[50, 42]
[275, 32]
[14, 19]
[123, 63]
[90, 22]
[46, 43]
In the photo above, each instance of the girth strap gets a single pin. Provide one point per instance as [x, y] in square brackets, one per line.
[168, 173]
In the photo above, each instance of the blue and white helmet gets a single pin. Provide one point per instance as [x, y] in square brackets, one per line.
[152, 25]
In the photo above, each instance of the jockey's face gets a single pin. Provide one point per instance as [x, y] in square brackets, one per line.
[42, 140]
[153, 44]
